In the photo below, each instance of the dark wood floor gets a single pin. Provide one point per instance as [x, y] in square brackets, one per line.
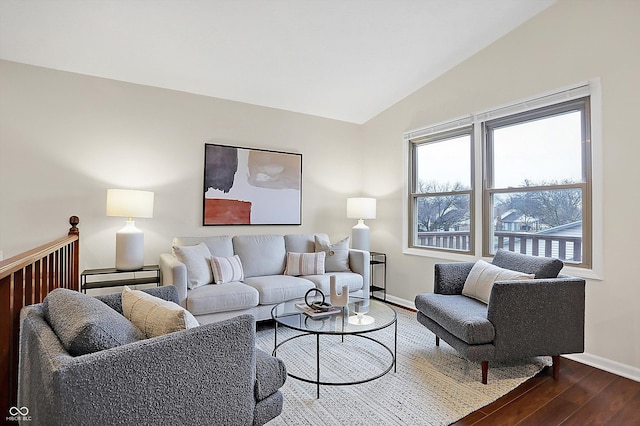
[583, 395]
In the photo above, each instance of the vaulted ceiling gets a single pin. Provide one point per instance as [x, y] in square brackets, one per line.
[342, 59]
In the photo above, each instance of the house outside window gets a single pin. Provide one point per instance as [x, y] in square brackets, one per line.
[534, 185]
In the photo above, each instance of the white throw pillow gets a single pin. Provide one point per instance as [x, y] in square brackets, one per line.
[305, 263]
[197, 260]
[155, 316]
[337, 255]
[226, 269]
[482, 276]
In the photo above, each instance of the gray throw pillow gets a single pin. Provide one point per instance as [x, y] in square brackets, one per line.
[542, 267]
[84, 324]
[337, 255]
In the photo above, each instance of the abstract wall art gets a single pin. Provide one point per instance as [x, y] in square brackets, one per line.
[246, 186]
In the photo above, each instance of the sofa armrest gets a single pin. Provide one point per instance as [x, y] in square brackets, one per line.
[173, 272]
[271, 373]
[360, 263]
[202, 375]
[551, 322]
[449, 278]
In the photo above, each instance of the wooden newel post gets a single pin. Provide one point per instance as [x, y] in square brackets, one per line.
[74, 221]
[74, 279]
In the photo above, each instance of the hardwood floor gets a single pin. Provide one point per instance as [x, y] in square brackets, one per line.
[583, 395]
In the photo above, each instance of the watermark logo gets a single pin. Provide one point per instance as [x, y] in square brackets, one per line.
[18, 414]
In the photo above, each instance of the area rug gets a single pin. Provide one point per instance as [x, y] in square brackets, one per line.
[432, 385]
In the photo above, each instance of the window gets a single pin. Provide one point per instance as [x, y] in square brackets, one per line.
[538, 182]
[534, 187]
[442, 190]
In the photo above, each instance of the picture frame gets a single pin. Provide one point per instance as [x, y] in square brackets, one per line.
[250, 186]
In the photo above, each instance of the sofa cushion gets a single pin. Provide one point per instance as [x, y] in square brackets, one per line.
[337, 255]
[225, 297]
[301, 243]
[480, 280]
[197, 259]
[322, 282]
[260, 254]
[271, 374]
[226, 269]
[542, 267]
[462, 316]
[84, 324]
[304, 264]
[153, 315]
[219, 245]
[278, 288]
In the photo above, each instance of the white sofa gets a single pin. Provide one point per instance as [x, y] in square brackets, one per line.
[263, 259]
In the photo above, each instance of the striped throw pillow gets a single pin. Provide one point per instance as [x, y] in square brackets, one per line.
[305, 263]
[226, 269]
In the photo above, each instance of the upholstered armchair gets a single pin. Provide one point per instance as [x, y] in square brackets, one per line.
[537, 315]
[209, 374]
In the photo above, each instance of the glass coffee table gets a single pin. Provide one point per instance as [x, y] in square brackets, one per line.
[358, 319]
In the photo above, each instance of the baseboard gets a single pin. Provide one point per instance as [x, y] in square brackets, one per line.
[401, 302]
[605, 364]
[596, 361]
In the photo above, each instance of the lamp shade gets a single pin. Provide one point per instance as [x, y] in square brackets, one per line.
[129, 203]
[361, 208]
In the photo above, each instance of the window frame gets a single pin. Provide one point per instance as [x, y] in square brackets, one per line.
[591, 88]
[583, 105]
[441, 137]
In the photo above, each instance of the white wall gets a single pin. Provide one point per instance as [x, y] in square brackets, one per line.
[65, 138]
[570, 42]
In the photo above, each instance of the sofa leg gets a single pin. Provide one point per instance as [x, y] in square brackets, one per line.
[437, 341]
[556, 366]
[485, 370]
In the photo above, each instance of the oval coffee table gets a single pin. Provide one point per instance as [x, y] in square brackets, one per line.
[348, 321]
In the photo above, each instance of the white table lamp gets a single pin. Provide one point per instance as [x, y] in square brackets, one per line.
[129, 240]
[361, 208]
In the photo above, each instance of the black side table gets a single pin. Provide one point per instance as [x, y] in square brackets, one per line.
[378, 261]
[151, 276]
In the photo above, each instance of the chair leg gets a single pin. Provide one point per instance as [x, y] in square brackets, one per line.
[485, 370]
[556, 366]
[437, 341]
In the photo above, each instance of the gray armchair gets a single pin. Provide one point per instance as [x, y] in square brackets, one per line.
[212, 374]
[543, 316]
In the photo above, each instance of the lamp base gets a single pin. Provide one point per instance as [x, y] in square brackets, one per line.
[129, 248]
[360, 236]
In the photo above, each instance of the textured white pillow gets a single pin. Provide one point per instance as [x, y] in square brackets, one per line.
[226, 269]
[155, 316]
[337, 255]
[197, 260]
[305, 263]
[482, 276]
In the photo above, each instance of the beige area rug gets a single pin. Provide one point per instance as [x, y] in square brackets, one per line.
[432, 385]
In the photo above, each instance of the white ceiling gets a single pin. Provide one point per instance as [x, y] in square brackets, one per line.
[342, 59]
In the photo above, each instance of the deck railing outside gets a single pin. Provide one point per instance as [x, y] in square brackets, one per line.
[456, 240]
[563, 247]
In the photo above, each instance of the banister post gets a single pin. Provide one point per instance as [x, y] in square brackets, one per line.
[75, 264]
[74, 221]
